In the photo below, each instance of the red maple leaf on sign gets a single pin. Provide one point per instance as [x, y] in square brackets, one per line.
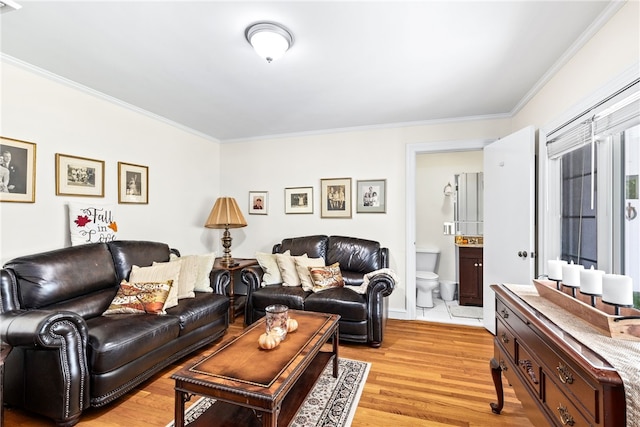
[113, 226]
[82, 221]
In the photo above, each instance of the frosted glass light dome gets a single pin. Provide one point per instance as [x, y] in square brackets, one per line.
[270, 40]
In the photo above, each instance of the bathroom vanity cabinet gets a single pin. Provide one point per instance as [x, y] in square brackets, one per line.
[470, 275]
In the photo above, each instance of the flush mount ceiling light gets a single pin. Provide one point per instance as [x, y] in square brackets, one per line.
[270, 40]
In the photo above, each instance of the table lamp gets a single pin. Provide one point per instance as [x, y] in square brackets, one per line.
[226, 214]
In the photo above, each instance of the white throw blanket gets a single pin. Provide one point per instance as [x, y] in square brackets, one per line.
[362, 289]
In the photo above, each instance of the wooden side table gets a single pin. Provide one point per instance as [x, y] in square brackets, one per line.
[235, 304]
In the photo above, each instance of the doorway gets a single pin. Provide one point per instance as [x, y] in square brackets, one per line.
[413, 150]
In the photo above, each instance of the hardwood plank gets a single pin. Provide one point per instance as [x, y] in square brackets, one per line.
[424, 374]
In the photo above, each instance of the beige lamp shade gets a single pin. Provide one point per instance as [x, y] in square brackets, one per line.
[225, 214]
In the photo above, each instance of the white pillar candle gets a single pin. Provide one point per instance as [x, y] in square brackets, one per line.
[555, 268]
[617, 289]
[591, 281]
[571, 274]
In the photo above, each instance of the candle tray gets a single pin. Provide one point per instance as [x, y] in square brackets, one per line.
[626, 326]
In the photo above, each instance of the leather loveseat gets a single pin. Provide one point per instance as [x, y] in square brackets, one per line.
[66, 355]
[363, 315]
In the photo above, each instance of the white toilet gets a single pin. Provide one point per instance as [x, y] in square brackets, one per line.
[426, 277]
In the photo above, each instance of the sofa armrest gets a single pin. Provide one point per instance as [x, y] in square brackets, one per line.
[220, 280]
[51, 346]
[381, 284]
[251, 277]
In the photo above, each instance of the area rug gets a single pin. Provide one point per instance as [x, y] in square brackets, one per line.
[331, 402]
[465, 311]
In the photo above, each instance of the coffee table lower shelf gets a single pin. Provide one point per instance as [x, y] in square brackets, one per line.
[224, 414]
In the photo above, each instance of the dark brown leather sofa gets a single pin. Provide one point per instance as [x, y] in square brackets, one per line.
[362, 316]
[66, 356]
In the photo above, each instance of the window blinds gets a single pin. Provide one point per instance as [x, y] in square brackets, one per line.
[612, 115]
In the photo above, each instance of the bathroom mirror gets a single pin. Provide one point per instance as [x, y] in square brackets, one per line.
[469, 203]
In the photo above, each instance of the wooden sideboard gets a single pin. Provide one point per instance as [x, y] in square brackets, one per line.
[559, 380]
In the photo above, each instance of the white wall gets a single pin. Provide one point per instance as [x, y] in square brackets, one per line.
[433, 172]
[183, 168]
[65, 120]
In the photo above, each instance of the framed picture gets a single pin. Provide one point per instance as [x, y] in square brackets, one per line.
[133, 183]
[79, 176]
[17, 171]
[258, 202]
[371, 196]
[336, 198]
[298, 200]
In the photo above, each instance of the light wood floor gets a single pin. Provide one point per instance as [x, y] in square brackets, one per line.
[425, 374]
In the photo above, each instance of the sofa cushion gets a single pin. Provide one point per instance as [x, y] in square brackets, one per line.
[127, 253]
[326, 277]
[159, 272]
[288, 271]
[91, 222]
[140, 298]
[203, 309]
[118, 339]
[350, 305]
[270, 268]
[292, 297]
[313, 246]
[205, 265]
[60, 275]
[354, 255]
[302, 267]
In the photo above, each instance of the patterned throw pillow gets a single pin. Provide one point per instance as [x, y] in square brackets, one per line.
[91, 223]
[326, 277]
[161, 272]
[140, 298]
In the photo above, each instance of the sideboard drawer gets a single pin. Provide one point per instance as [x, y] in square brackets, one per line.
[507, 339]
[574, 384]
[562, 407]
[529, 368]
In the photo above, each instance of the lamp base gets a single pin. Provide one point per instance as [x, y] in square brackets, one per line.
[227, 260]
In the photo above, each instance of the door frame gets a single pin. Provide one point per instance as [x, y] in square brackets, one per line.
[412, 150]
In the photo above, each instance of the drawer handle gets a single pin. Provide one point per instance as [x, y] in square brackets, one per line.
[505, 313]
[564, 374]
[505, 338]
[527, 365]
[565, 417]
[503, 366]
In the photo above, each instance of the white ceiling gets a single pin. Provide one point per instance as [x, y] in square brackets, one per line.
[353, 64]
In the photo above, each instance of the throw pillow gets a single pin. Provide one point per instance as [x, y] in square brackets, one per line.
[326, 277]
[302, 267]
[161, 272]
[287, 266]
[205, 265]
[270, 268]
[140, 298]
[91, 223]
[188, 275]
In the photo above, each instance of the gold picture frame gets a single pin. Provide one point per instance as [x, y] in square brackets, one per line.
[17, 171]
[133, 184]
[79, 176]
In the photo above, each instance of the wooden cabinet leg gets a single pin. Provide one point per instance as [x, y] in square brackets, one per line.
[496, 374]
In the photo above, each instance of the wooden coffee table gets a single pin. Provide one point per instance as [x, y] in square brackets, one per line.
[260, 387]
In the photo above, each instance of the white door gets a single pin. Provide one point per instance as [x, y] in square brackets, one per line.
[509, 215]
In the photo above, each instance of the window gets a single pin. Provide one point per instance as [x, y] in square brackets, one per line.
[592, 186]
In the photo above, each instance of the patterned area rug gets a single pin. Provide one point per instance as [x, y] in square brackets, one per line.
[331, 402]
[465, 311]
